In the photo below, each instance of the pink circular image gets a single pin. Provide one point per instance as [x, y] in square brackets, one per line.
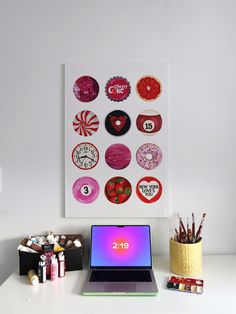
[118, 156]
[149, 156]
[85, 190]
[86, 88]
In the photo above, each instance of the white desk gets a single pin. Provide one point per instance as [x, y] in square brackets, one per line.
[63, 296]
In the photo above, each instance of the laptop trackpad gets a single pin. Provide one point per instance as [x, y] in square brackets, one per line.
[120, 287]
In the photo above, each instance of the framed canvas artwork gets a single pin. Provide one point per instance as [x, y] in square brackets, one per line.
[116, 140]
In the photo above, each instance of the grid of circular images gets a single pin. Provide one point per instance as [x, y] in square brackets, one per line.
[85, 155]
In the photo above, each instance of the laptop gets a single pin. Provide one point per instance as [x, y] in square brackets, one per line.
[120, 261]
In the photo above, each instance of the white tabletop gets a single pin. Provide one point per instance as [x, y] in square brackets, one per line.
[63, 295]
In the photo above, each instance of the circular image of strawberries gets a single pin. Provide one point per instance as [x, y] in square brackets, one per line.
[118, 190]
[148, 88]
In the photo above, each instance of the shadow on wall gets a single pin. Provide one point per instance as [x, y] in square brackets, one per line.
[10, 260]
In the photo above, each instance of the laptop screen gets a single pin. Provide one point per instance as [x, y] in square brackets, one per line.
[120, 246]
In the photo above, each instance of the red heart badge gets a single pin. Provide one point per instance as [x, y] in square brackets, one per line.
[118, 122]
[149, 189]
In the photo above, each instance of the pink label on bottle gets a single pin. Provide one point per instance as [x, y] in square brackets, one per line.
[54, 271]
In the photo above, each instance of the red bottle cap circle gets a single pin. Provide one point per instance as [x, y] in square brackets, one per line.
[118, 88]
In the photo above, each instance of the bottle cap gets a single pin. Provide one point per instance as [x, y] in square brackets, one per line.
[43, 258]
[35, 281]
[42, 240]
[29, 243]
[53, 240]
[77, 243]
[33, 278]
[19, 247]
[53, 259]
[57, 237]
[50, 236]
[61, 256]
[69, 242]
[42, 263]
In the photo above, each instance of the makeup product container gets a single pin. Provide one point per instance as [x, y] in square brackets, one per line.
[61, 265]
[54, 268]
[42, 269]
[33, 278]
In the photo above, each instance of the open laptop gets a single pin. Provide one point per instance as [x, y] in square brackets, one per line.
[120, 261]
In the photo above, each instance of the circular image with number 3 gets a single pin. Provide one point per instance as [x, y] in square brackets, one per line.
[85, 190]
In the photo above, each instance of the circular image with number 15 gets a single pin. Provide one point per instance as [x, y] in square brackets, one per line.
[85, 190]
[85, 156]
[149, 122]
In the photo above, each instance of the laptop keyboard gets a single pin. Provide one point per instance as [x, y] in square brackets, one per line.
[120, 275]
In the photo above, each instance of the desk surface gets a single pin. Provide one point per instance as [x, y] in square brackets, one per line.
[63, 296]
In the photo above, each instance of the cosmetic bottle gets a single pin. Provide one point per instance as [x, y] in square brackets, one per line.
[34, 246]
[61, 265]
[48, 251]
[54, 267]
[33, 278]
[57, 247]
[23, 248]
[42, 269]
[62, 242]
[57, 237]
[50, 236]
[69, 244]
[41, 240]
[77, 243]
[73, 244]
[24, 241]
[34, 240]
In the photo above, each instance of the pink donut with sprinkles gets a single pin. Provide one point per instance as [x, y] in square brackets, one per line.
[85, 123]
[149, 156]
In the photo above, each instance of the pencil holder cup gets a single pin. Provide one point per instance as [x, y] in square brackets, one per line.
[186, 259]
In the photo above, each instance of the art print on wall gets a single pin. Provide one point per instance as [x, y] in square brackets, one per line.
[116, 140]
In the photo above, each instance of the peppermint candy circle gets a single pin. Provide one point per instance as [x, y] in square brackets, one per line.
[85, 123]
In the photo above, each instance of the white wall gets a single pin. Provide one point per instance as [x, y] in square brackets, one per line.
[38, 37]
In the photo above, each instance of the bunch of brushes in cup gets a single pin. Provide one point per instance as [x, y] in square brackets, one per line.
[189, 235]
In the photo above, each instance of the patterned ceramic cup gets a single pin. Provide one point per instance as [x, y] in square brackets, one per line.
[186, 259]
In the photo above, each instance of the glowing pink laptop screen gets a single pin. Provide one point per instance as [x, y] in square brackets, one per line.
[120, 246]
